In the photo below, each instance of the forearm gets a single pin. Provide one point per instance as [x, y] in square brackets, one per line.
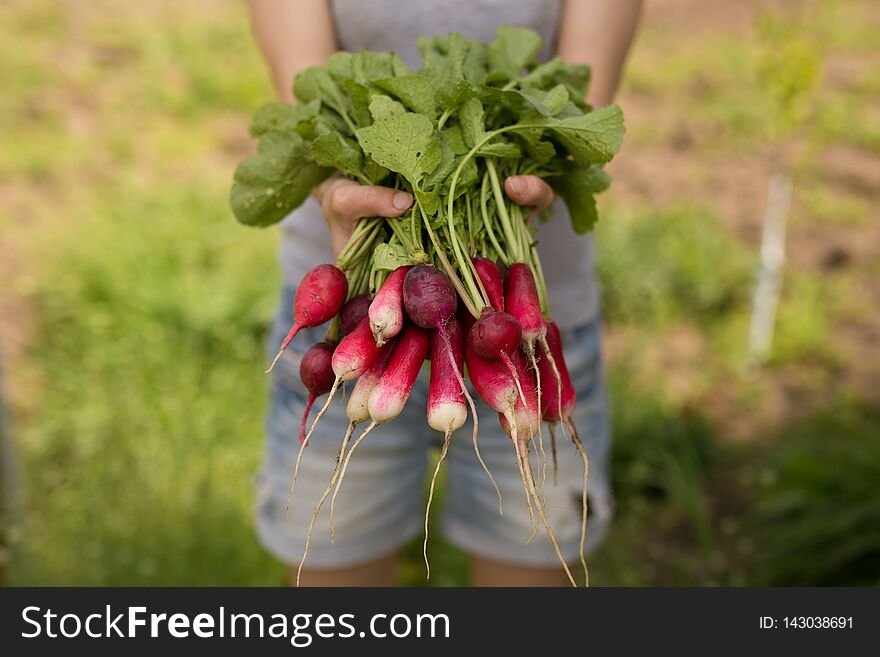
[292, 36]
[599, 33]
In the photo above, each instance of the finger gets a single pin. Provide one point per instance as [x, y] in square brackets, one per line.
[530, 191]
[356, 201]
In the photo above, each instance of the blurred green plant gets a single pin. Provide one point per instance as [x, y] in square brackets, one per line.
[671, 264]
[138, 462]
[818, 520]
[788, 68]
[661, 455]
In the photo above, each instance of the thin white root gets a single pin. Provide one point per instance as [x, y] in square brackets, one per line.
[580, 447]
[345, 441]
[443, 452]
[551, 427]
[534, 363]
[470, 400]
[357, 442]
[324, 407]
[302, 447]
[532, 444]
[530, 480]
[326, 494]
[522, 398]
[275, 360]
[533, 523]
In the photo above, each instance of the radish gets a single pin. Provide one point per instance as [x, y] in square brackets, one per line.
[354, 310]
[428, 296]
[522, 301]
[495, 334]
[386, 311]
[447, 410]
[559, 404]
[559, 407]
[352, 357]
[387, 398]
[319, 297]
[316, 373]
[496, 386]
[492, 281]
[430, 302]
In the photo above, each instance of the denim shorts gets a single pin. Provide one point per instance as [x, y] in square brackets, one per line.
[381, 503]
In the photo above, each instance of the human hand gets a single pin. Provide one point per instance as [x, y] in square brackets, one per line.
[531, 192]
[345, 201]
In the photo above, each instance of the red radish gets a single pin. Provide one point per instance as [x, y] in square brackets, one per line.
[428, 296]
[388, 396]
[316, 373]
[447, 410]
[495, 334]
[386, 311]
[467, 322]
[318, 298]
[559, 406]
[356, 407]
[492, 281]
[522, 301]
[430, 302]
[496, 386]
[352, 357]
[354, 310]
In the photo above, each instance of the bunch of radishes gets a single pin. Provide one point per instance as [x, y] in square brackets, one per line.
[458, 278]
[507, 353]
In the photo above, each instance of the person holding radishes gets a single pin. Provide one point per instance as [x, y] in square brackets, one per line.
[380, 507]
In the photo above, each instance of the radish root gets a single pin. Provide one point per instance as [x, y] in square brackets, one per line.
[302, 446]
[305, 417]
[287, 340]
[443, 452]
[357, 442]
[324, 407]
[534, 362]
[335, 478]
[324, 497]
[551, 427]
[522, 452]
[575, 438]
[533, 526]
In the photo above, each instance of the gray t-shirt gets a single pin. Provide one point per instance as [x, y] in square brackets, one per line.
[395, 25]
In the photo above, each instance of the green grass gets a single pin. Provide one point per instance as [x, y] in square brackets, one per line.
[820, 494]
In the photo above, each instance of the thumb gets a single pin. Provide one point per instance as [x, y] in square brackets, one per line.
[357, 201]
